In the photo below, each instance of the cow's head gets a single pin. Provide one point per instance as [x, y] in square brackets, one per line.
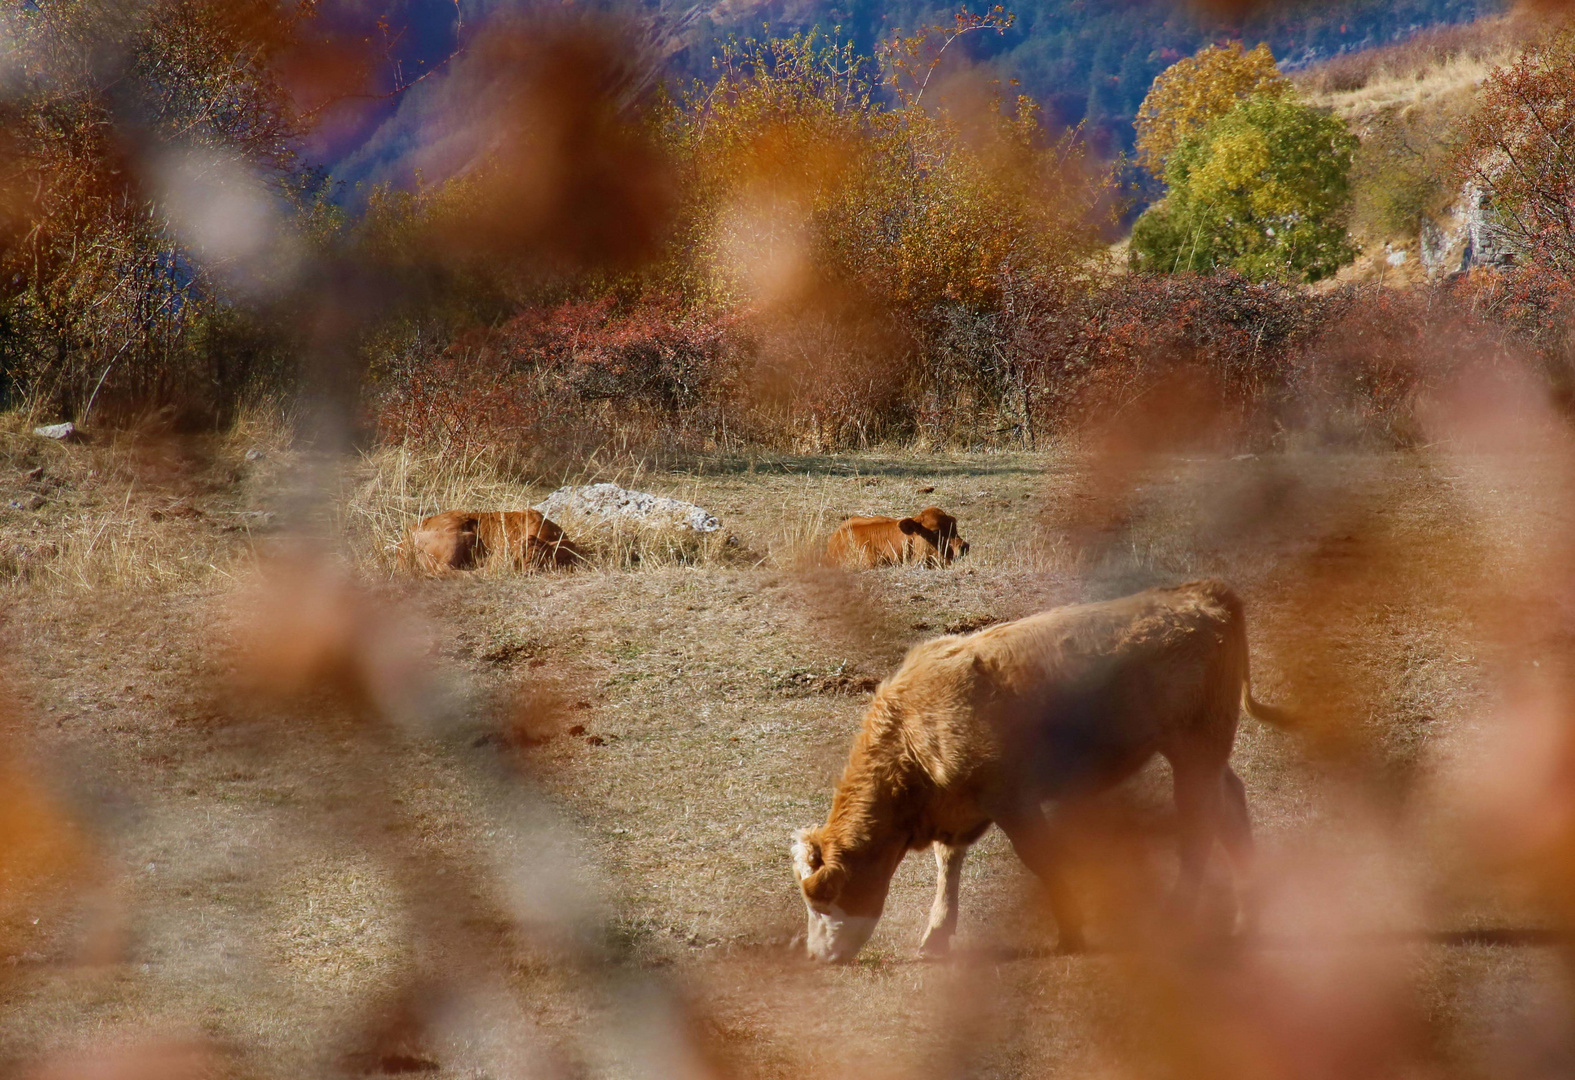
[938, 529]
[843, 893]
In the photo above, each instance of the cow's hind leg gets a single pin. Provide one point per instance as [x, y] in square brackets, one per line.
[943, 913]
[1042, 847]
[1200, 795]
[1236, 832]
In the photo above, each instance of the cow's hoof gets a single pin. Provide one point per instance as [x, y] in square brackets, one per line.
[935, 948]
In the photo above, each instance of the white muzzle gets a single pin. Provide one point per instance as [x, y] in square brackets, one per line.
[835, 936]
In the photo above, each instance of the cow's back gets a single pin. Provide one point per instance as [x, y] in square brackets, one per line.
[525, 538]
[867, 541]
[446, 541]
[1077, 691]
[460, 539]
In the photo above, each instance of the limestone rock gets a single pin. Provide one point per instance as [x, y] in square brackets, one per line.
[609, 501]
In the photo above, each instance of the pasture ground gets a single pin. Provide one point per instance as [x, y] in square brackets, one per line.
[557, 844]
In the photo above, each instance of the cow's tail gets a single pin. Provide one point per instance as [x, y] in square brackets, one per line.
[1266, 714]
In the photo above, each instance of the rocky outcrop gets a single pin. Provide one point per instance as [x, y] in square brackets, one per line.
[609, 501]
[1464, 236]
[66, 432]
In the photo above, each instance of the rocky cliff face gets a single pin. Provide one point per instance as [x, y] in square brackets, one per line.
[1460, 237]
[1465, 235]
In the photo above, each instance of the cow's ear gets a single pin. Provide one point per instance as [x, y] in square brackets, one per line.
[807, 856]
[824, 886]
[911, 526]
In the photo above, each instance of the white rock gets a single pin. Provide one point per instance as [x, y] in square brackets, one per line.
[68, 430]
[608, 501]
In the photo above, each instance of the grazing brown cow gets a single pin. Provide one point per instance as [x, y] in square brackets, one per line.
[930, 537]
[462, 540]
[989, 727]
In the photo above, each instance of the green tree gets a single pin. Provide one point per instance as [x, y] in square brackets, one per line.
[1197, 90]
[1263, 190]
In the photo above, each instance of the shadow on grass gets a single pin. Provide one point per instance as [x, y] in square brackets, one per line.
[1520, 937]
[919, 466]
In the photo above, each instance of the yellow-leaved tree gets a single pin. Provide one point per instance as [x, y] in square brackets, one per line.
[1191, 92]
[799, 172]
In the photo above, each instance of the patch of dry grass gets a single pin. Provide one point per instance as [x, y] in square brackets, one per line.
[794, 504]
[142, 508]
[1423, 90]
[624, 750]
[1426, 64]
[148, 508]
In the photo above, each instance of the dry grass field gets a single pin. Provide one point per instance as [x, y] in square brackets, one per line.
[288, 813]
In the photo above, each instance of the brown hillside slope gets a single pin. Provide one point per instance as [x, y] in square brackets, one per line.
[1406, 102]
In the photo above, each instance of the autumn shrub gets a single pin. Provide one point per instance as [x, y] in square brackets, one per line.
[1117, 343]
[1375, 358]
[110, 290]
[555, 379]
[1227, 361]
[1534, 304]
[1242, 363]
[1519, 150]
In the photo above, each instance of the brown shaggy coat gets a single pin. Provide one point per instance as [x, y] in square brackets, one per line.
[987, 728]
[930, 537]
[463, 540]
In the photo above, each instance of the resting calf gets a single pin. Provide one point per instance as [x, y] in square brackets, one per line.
[929, 537]
[985, 729]
[463, 540]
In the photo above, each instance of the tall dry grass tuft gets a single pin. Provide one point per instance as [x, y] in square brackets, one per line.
[800, 545]
[394, 487]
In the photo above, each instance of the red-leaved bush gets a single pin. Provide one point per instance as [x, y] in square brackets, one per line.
[558, 376]
[1222, 360]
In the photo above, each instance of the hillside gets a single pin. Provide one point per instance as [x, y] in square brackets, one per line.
[1406, 103]
[1085, 60]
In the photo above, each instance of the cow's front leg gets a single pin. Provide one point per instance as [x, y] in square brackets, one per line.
[943, 913]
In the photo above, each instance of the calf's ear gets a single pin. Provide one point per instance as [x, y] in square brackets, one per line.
[807, 856]
[911, 526]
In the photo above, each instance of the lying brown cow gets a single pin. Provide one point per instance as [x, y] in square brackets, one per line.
[929, 537]
[989, 727]
[462, 540]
